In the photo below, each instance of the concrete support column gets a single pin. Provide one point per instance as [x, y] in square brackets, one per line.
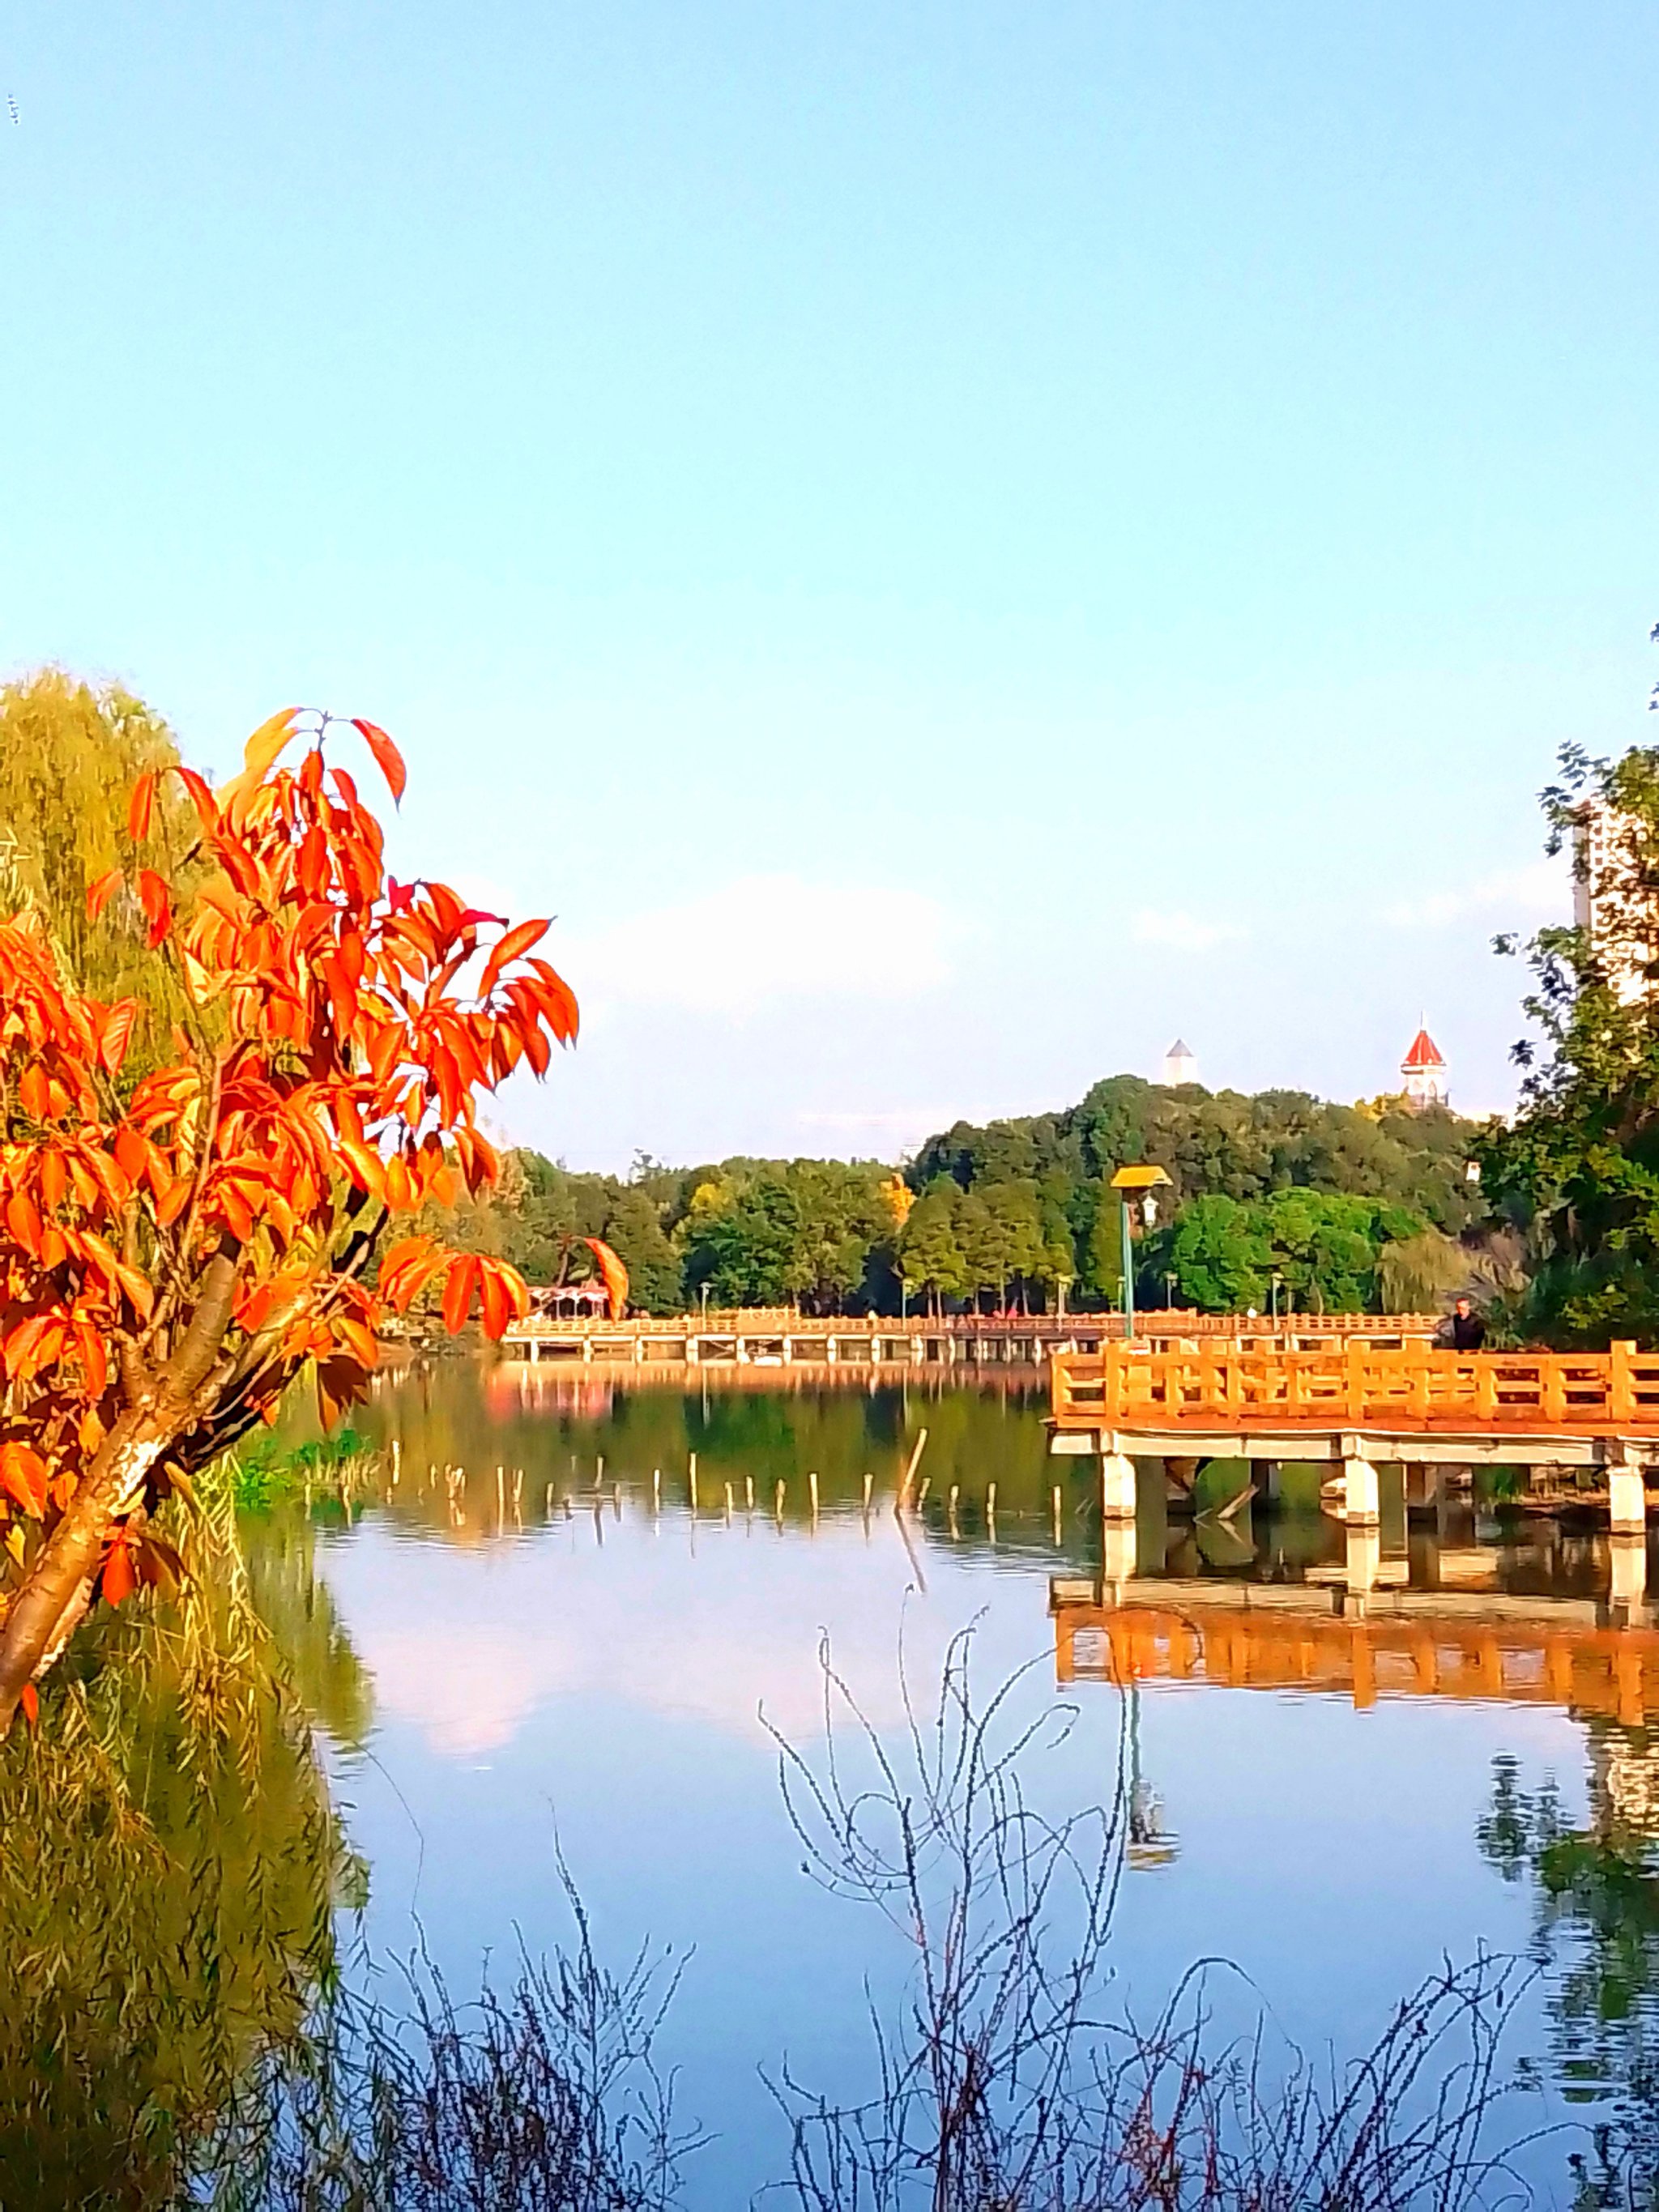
[1117, 1487]
[875, 1351]
[1119, 1557]
[740, 1351]
[1360, 1480]
[693, 1349]
[587, 1351]
[1627, 1496]
[918, 1352]
[1269, 1481]
[1628, 1561]
[1363, 1556]
[639, 1352]
[535, 1348]
[829, 1352]
[788, 1351]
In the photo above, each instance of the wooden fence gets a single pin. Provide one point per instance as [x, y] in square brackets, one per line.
[1355, 1386]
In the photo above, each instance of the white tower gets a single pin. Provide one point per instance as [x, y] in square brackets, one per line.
[1423, 1073]
[1179, 1066]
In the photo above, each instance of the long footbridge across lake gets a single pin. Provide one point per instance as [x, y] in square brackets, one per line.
[781, 1337]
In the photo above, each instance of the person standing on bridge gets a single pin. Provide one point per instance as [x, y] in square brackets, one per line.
[1463, 1329]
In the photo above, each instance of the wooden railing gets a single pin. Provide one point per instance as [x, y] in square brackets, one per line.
[1413, 1389]
[777, 1320]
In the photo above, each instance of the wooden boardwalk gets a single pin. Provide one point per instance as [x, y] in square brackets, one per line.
[780, 1337]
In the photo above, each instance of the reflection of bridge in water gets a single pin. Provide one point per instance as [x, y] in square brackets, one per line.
[1585, 1656]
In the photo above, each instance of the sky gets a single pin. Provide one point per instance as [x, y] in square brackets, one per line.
[947, 544]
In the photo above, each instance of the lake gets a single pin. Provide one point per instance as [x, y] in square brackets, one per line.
[568, 1656]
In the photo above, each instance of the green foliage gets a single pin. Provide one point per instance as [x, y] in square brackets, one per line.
[1578, 1166]
[1003, 1215]
[167, 1892]
[265, 1470]
[69, 757]
[1325, 1248]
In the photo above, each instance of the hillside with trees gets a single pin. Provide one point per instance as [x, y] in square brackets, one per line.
[1275, 1196]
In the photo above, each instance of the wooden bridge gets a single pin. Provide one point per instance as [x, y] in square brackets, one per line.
[1363, 1404]
[780, 1337]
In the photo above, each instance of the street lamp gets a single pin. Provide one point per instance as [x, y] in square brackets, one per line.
[1146, 1179]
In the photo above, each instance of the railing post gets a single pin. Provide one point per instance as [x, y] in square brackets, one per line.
[1356, 1391]
[1621, 1391]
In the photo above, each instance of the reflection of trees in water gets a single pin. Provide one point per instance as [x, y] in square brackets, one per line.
[298, 1611]
[167, 1889]
[1597, 1933]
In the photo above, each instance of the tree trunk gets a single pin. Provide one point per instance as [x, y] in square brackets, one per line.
[46, 1609]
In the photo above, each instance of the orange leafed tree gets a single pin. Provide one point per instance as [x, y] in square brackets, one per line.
[175, 1250]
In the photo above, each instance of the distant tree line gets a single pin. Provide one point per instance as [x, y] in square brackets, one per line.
[1276, 1198]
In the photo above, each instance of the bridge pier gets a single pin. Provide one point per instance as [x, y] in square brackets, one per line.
[1363, 1558]
[1627, 1560]
[1117, 1487]
[1119, 1558]
[1627, 1493]
[1360, 1496]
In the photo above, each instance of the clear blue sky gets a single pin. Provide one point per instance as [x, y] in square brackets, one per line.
[947, 542]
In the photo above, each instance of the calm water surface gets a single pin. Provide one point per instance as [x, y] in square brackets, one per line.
[571, 1657]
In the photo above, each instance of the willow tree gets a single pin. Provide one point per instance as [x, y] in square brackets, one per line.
[175, 1250]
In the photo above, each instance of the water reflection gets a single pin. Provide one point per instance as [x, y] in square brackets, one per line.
[573, 1592]
[171, 1877]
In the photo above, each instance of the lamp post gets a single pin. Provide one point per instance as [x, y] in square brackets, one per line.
[1146, 1179]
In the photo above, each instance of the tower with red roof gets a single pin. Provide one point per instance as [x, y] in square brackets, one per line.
[1423, 1072]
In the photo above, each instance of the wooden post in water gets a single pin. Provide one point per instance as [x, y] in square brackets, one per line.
[656, 1490]
[501, 1496]
[812, 1487]
[1058, 1533]
[955, 1489]
[910, 1472]
[749, 1491]
[692, 1481]
[778, 1505]
[397, 1460]
[869, 1484]
[728, 1501]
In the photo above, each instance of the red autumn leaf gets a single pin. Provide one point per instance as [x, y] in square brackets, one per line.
[201, 797]
[117, 1035]
[141, 809]
[35, 1092]
[263, 747]
[99, 893]
[495, 1299]
[157, 900]
[29, 1697]
[118, 1579]
[458, 1290]
[508, 948]
[23, 1477]
[387, 758]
